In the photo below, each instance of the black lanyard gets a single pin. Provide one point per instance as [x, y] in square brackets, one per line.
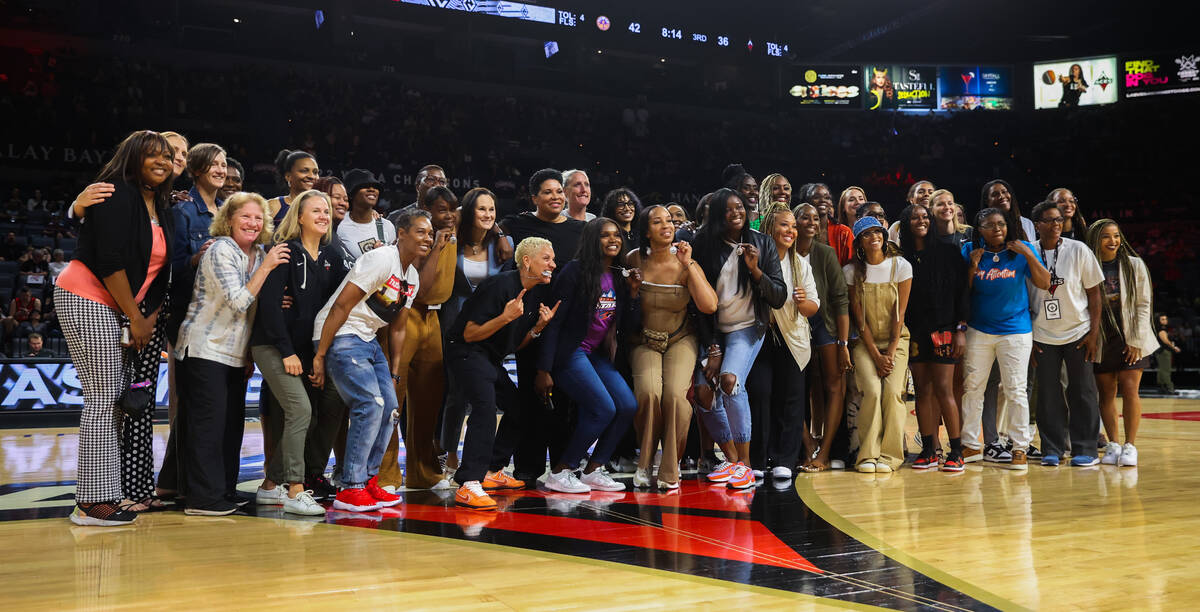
[1055, 281]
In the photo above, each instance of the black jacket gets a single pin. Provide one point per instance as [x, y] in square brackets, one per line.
[310, 284]
[769, 292]
[566, 330]
[118, 236]
[940, 295]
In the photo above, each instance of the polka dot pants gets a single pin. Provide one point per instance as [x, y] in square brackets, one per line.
[137, 452]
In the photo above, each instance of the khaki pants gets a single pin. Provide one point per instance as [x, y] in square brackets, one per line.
[660, 383]
[424, 385]
[882, 414]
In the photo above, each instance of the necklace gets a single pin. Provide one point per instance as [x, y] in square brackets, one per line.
[996, 255]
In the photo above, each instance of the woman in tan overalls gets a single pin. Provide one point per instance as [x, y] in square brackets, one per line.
[879, 280]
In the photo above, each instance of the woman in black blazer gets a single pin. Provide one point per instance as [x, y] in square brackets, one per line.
[108, 302]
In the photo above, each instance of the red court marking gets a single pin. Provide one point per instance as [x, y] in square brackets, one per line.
[691, 494]
[1188, 415]
[736, 540]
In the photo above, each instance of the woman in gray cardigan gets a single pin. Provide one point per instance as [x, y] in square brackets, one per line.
[830, 336]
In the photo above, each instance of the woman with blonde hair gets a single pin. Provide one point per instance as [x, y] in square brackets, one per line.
[282, 349]
[847, 211]
[211, 350]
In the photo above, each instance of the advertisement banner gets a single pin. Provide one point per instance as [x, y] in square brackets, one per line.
[829, 86]
[892, 87]
[1161, 75]
[971, 87]
[52, 385]
[1077, 82]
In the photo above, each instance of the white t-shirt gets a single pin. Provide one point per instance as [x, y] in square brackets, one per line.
[1079, 269]
[881, 273]
[360, 237]
[388, 286]
[475, 271]
[735, 310]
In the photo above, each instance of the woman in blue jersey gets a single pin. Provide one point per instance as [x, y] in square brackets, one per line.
[999, 328]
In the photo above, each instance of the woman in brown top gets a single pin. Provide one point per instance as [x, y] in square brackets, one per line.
[665, 351]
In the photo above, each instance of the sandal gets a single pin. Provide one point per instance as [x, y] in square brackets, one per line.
[153, 503]
[130, 505]
[814, 466]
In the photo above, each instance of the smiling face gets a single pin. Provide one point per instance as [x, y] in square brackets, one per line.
[540, 265]
[808, 223]
[365, 198]
[549, 199]
[921, 193]
[156, 169]
[919, 222]
[783, 231]
[678, 215]
[875, 210]
[852, 199]
[735, 217]
[993, 229]
[442, 216]
[579, 191]
[428, 179]
[999, 197]
[943, 208]
[302, 175]
[214, 178]
[823, 201]
[417, 240]
[749, 190]
[233, 183]
[781, 191]
[179, 156]
[871, 240]
[485, 213]
[1066, 202]
[314, 217]
[625, 210]
[610, 241]
[660, 230]
[337, 195]
[1110, 241]
[247, 224]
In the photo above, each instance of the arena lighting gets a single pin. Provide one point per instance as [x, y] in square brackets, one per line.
[551, 47]
[236, 20]
[319, 18]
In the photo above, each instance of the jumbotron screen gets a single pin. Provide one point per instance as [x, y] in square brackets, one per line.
[1075, 82]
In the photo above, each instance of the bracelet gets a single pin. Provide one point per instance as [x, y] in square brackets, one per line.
[962, 327]
[841, 342]
[397, 377]
[534, 333]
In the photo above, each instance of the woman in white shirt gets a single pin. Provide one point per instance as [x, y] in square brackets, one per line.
[776, 381]
[879, 280]
[212, 351]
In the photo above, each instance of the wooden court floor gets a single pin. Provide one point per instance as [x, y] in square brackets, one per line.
[1053, 538]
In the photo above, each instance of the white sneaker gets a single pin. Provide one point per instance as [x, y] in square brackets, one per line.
[1112, 451]
[758, 474]
[566, 482]
[599, 480]
[641, 479]
[273, 497]
[866, 467]
[303, 504]
[781, 471]
[882, 468]
[837, 464]
[668, 486]
[1128, 455]
[444, 485]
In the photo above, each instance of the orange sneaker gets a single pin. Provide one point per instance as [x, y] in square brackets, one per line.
[722, 472]
[471, 495]
[971, 455]
[498, 480]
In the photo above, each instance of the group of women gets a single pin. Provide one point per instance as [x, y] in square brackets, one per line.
[786, 324]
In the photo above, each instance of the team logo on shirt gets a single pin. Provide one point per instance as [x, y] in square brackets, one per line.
[391, 296]
[367, 245]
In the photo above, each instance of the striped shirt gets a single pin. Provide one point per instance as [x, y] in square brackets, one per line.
[221, 313]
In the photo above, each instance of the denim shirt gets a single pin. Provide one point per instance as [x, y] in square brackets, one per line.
[192, 221]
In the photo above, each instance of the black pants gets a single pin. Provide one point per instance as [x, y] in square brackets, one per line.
[529, 425]
[1078, 412]
[211, 419]
[777, 399]
[477, 376]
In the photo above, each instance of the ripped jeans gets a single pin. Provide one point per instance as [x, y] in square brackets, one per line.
[729, 417]
[360, 371]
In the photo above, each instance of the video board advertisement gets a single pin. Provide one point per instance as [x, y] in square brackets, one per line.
[829, 86]
[972, 87]
[1075, 82]
[1161, 75]
[895, 87]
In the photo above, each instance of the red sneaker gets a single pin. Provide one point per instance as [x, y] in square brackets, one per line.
[385, 499]
[954, 463]
[722, 472]
[356, 500]
[924, 463]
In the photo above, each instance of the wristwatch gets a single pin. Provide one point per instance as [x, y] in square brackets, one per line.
[841, 342]
[534, 333]
[962, 327]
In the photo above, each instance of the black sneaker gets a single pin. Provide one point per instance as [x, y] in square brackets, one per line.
[996, 453]
[1033, 452]
[104, 514]
[320, 486]
[218, 508]
[236, 499]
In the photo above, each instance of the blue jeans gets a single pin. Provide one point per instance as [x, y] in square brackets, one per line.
[360, 371]
[605, 406]
[729, 418]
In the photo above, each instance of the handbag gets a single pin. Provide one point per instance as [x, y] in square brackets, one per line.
[137, 399]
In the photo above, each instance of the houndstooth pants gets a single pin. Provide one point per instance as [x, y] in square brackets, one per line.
[93, 333]
[137, 453]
